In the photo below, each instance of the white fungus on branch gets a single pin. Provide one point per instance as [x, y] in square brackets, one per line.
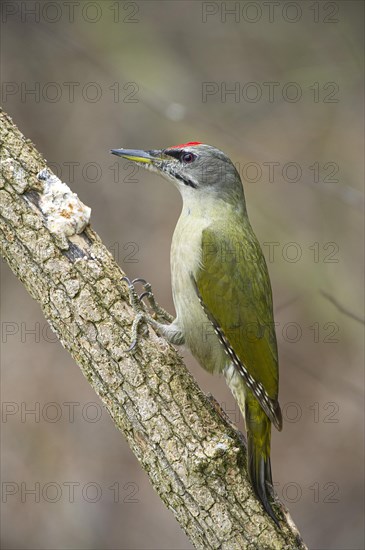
[64, 213]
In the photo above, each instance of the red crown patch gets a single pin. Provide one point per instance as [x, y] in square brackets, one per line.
[182, 145]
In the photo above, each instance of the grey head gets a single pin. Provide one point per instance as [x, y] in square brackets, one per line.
[193, 167]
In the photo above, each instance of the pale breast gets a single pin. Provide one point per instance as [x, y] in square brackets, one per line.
[185, 261]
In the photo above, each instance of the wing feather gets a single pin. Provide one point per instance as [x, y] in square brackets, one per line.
[234, 289]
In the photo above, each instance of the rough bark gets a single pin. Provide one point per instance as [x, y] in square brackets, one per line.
[195, 459]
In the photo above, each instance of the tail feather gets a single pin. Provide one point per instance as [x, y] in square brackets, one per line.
[258, 450]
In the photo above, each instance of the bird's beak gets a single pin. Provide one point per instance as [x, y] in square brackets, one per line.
[144, 157]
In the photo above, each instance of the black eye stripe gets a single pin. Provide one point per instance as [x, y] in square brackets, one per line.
[175, 153]
[179, 154]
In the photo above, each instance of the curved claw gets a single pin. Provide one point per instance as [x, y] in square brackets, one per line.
[138, 321]
[132, 346]
[140, 280]
[142, 309]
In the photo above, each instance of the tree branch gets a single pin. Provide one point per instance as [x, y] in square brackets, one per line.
[194, 457]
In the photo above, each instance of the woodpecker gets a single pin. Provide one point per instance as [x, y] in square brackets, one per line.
[221, 292]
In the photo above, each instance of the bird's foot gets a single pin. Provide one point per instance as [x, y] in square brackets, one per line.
[160, 313]
[142, 317]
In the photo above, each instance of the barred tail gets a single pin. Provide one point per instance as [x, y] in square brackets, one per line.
[258, 452]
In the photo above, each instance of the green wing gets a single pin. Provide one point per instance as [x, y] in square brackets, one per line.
[234, 288]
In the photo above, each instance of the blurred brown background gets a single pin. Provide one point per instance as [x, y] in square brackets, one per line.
[150, 74]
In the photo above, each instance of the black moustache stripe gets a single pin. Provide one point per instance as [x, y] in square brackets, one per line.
[187, 181]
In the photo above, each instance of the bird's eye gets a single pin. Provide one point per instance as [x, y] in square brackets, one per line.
[188, 158]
